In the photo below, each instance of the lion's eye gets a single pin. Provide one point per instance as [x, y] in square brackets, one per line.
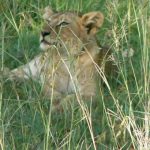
[63, 24]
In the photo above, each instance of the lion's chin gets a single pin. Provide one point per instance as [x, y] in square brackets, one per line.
[44, 46]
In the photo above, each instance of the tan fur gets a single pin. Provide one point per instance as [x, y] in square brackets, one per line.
[70, 52]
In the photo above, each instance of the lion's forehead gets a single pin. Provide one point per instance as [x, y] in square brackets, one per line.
[66, 16]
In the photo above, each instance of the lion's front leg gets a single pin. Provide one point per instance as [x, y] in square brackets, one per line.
[29, 70]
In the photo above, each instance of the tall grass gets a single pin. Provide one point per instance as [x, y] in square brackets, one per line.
[119, 118]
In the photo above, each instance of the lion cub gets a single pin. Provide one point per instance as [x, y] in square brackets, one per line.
[68, 62]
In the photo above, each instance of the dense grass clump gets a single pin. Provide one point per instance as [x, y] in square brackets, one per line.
[118, 119]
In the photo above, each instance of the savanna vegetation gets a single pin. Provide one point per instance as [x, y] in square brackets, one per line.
[120, 116]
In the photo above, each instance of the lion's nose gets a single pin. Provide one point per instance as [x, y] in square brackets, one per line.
[45, 33]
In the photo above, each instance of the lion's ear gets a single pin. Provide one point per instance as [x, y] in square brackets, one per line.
[47, 13]
[92, 21]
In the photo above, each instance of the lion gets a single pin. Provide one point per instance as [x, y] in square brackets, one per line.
[67, 63]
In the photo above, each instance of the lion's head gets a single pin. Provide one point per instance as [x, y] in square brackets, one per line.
[70, 31]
